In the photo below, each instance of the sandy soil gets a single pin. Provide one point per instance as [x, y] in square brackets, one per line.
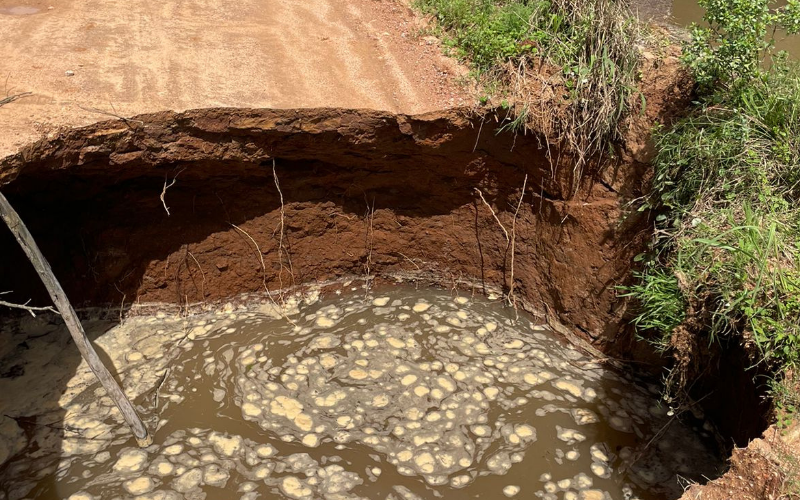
[137, 56]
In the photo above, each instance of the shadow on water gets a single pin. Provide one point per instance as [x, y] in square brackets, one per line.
[38, 360]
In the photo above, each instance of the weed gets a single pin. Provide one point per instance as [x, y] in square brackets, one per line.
[595, 45]
[484, 31]
[663, 306]
[786, 402]
[589, 44]
[728, 188]
[739, 36]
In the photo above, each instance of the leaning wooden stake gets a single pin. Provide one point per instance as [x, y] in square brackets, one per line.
[23, 236]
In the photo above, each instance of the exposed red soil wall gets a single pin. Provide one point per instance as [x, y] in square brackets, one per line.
[92, 199]
[364, 192]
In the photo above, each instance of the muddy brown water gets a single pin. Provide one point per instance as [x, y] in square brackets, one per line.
[685, 12]
[404, 394]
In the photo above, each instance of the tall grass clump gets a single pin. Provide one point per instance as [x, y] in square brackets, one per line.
[590, 45]
[725, 262]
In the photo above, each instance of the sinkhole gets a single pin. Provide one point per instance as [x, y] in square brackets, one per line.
[340, 304]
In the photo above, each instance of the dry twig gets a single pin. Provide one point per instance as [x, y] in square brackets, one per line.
[113, 115]
[31, 309]
[14, 97]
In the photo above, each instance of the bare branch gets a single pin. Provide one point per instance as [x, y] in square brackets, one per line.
[26, 307]
[11, 218]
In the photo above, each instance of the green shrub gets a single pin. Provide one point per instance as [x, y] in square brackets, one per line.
[739, 35]
[725, 260]
[728, 184]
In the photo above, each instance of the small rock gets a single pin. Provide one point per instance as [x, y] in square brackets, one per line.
[69, 72]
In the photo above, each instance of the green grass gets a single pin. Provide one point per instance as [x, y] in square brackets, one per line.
[591, 43]
[661, 303]
[485, 32]
[727, 185]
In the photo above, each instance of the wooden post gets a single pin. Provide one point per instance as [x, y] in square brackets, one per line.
[23, 236]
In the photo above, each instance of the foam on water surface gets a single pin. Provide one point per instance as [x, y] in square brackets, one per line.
[405, 394]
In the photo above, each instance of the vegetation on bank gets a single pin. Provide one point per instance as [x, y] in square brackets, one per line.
[725, 257]
[726, 253]
[518, 45]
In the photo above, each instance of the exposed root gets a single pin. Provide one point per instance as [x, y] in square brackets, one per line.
[121, 303]
[510, 239]
[260, 255]
[281, 232]
[164, 190]
[480, 129]
[203, 283]
[370, 216]
[410, 260]
[510, 296]
[127, 121]
[281, 307]
[158, 390]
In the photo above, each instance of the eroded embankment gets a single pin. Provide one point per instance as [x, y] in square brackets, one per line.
[183, 208]
[363, 192]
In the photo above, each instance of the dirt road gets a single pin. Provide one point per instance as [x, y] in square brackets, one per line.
[137, 56]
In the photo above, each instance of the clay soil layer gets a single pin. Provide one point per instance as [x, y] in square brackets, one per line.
[363, 192]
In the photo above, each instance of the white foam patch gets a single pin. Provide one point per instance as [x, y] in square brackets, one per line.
[447, 394]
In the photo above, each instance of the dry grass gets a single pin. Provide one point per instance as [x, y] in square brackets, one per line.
[580, 96]
[564, 69]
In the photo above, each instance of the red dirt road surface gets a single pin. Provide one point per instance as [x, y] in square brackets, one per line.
[80, 57]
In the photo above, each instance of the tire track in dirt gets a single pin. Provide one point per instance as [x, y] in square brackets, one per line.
[139, 56]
